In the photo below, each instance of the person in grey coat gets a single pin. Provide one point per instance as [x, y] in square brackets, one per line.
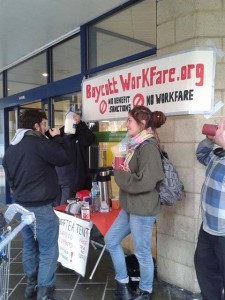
[139, 200]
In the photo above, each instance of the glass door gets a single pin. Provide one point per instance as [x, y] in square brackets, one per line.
[9, 124]
[12, 123]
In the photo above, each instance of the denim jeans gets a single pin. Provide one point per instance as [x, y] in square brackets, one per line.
[40, 255]
[140, 228]
[210, 265]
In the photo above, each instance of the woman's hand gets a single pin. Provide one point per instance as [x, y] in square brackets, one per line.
[124, 167]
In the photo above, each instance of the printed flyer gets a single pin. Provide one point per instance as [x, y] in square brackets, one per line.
[74, 237]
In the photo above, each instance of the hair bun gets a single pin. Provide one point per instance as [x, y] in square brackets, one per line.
[158, 118]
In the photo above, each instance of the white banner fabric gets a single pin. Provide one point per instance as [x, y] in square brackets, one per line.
[181, 83]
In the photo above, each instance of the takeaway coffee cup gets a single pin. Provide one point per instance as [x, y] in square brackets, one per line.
[209, 129]
[118, 161]
[115, 203]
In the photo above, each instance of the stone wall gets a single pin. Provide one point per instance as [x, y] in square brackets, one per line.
[184, 25]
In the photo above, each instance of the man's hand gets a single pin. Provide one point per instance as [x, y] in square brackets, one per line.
[54, 131]
[219, 138]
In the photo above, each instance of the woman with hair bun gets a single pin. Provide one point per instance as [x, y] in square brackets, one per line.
[139, 201]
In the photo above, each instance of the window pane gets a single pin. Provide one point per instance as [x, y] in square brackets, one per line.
[66, 59]
[128, 32]
[27, 75]
[63, 104]
[1, 85]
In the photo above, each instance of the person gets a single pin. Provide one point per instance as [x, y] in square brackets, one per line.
[139, 201]
[209, 255]
[29, 164]
[76, 176]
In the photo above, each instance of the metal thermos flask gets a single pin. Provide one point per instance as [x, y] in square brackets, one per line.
[104, 183]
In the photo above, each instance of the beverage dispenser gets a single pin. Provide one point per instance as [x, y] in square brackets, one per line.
[104, 183]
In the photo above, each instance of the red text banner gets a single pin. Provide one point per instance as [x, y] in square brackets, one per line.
[182, 83]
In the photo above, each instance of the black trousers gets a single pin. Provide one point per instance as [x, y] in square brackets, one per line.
[210, 265]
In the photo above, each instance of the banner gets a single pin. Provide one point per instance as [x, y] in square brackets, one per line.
[74, 237]
[182, 83]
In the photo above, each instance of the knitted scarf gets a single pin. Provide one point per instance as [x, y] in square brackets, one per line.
[136, 141]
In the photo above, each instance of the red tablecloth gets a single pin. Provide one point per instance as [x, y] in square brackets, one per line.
[103, 221]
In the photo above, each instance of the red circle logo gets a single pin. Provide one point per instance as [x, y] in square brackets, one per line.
[138, 100]
[103, 107]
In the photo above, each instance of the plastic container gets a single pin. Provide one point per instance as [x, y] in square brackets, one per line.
[115, 203]
[95, 195]
[70, 124]
[82, 193]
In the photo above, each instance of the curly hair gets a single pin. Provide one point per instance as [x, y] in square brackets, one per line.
[158, 118]
[30, 117]
[153, 119]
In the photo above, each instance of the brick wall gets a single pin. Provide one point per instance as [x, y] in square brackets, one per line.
[185, 25]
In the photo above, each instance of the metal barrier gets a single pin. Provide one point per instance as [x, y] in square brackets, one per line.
[5, 244]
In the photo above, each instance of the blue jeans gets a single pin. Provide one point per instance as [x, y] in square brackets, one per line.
[140, 228]
[40, 255]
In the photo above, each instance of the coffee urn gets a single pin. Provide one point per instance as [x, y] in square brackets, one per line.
[104, 183]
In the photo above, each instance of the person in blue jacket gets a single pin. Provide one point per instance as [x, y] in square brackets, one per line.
[29, 164]
[210, 251]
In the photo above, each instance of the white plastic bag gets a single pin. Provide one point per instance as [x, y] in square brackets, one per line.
[70, 124]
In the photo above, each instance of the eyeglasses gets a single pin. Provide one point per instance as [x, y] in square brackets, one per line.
[220, 152]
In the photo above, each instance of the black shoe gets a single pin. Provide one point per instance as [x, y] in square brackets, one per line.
[45, 293]
[122, 291]
[142, 295]
[31, 288]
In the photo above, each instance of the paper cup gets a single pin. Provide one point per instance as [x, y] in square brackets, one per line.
[115, 203]
[119, 160]
[209, 129]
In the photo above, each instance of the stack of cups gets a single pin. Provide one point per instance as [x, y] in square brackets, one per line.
[115, 203]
